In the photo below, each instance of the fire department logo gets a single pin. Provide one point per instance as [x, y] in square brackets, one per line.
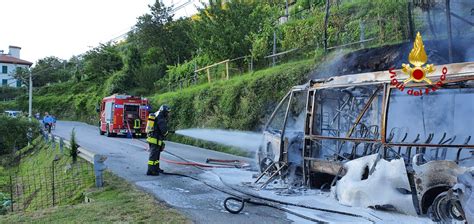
[418, 58]
[418, 72]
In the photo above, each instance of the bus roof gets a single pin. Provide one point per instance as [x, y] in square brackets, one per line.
[455, 70]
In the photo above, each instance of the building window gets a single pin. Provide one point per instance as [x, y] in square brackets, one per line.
[18, 83]
[4, 82]
[4, 69]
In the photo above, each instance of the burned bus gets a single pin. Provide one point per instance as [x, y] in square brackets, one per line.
[374, 143]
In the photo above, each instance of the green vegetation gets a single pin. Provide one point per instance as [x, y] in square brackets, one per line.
[118, 201]
[73, 146]
[154, 67]
[35, 168]
[14, 136]
[10, 93]
[149, 66]
[241, 103]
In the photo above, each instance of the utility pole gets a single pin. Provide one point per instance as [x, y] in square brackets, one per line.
[287, 12]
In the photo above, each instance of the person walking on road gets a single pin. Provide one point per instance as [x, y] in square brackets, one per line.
[157, 130]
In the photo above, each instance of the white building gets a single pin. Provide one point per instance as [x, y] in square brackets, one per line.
[9, 63]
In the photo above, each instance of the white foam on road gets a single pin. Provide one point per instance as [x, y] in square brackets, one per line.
[243, 179]
[249, 141]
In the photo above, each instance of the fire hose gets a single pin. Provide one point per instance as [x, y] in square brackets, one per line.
[262, 201]
[245, 197]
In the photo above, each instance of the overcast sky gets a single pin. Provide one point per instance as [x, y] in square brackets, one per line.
[64, 28]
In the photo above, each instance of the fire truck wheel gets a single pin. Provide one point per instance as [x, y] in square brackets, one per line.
[100, 130]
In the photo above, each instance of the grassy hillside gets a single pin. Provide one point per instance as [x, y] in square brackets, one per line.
[33, 177]
[117, 201]
[242, 103]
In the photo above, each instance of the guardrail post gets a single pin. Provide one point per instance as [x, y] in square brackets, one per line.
[53, 142]
[99, 168]
[61, 145]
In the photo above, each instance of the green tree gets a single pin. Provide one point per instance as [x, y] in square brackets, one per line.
[49, 70]
[161, 39]
[223, 30]
[133, 63]
[102, 61]
[22, 74]
[151, 30]
[14, 133]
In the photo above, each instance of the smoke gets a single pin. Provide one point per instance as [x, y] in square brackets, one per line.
[470, 54]
[249, 141]
[433, 27]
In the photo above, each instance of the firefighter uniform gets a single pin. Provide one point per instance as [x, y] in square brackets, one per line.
[156, 137]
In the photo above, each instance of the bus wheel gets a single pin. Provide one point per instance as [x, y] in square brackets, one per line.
[445, 210]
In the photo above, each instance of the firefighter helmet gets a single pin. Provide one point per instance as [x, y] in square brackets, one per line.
[164, 109]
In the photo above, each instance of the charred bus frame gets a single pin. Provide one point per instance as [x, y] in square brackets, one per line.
[319, 171]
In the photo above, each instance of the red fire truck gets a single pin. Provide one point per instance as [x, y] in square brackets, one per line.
[123, 114]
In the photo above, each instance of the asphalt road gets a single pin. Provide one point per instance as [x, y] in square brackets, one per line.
[127, 158]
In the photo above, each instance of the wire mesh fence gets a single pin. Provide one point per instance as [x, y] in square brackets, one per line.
[47, 187]
[51, 181]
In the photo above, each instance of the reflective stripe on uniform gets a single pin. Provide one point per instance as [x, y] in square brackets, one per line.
[154, 141]
[136, 124]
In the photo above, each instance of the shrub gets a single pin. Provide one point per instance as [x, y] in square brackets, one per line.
[242, 103]
[14, 133]
[74, 146]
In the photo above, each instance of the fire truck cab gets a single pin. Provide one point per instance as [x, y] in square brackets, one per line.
[123, 114]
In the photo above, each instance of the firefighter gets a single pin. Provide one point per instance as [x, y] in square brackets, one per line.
[157, 131]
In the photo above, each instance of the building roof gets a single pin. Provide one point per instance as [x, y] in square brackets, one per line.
[4, 58]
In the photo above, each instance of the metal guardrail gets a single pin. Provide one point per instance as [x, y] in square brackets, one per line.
[96, 159]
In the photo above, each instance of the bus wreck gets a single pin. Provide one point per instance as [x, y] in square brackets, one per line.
[375, 145]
